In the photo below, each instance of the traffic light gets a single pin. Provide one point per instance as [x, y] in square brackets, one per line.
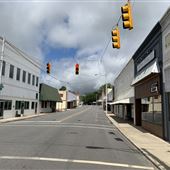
[77, 69]
[48, 68]
[116, 38]
[127, 16]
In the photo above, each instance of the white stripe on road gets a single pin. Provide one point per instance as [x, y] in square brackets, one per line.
[59, 126]
[37, 121]
[75, 161]
[68, 117]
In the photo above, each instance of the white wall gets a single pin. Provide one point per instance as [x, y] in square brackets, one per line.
[122, 84]
[165, 23]
[19, 90]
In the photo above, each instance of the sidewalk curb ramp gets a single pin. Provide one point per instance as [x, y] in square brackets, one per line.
[158, 163]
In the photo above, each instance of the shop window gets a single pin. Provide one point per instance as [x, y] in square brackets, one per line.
[8, 105]
[152, 109]
[26, 105]
[17, 105]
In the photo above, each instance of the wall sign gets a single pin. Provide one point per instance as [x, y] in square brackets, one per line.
[148, 59]
[154, 87]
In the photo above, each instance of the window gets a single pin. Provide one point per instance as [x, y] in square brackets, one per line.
[18, 74]
[26, 105]
[8, 105]
[32, 105]
[169, 105]
[61, 95]
[29, 78]
[11, 71]
[152, 109]
[17, 105]
[3, 68]
[33, 80]
[24, 76]
[37, 81]
[36, 96]
[44, 104]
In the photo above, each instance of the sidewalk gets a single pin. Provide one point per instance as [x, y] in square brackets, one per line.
[19, 118]
[154, 148]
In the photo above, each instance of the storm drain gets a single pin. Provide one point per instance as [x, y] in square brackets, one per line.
[119, 139]
[112, 133]
[94, 147]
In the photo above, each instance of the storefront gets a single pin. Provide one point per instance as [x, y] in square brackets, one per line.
[148, 83]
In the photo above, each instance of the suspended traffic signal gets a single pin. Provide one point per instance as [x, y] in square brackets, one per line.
[127, 16]
[116, 38]
[48, 68]
[77, 69]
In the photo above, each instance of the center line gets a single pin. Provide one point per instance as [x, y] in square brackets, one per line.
[76, 161]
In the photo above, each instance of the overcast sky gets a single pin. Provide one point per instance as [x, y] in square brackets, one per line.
[69, 32]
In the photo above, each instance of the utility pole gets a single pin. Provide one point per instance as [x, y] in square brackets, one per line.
[106, 93]
[1, 62]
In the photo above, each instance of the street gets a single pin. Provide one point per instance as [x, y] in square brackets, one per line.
[81, 138]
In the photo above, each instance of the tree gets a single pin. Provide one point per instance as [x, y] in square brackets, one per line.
[63, 88]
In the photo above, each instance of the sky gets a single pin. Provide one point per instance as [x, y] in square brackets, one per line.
[78, 31]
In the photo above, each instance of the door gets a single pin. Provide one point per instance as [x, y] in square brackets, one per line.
[1, 109]
[129, 111]
[22, 108]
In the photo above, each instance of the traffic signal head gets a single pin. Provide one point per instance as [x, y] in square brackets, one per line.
[127, 16]
[116, 38]
[77, 69]
[48, 68]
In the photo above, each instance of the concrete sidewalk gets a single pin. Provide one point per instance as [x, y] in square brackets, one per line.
[154, 148]
[20, 118]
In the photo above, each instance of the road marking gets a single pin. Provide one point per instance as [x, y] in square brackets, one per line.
[57, 125]
[37, 121]
[68, 117]
[75, 161]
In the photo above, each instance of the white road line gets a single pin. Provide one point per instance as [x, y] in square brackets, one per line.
[68, 117]
[37, 121]
[59, 126]
[76, 161]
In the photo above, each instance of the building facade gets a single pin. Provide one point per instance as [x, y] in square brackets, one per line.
[62, 106]
[165, 24]
[19, 76]
[49, 97]
[124, 92]
[148, 83]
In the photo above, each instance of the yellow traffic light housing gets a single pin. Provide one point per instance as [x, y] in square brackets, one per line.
[127, 16]
[48, 68]
[116, 38]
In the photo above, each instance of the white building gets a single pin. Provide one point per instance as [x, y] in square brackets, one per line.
[19, 75]
[165, 24]
[124, 92]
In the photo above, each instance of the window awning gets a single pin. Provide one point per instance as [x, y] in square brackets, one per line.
[124, 101]
[148, 71]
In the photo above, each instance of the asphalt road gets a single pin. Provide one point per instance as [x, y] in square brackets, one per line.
[81, 138]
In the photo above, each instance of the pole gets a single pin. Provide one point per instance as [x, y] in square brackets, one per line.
[106, 93]
[1, 60]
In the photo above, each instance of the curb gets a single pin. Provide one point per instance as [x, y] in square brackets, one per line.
[20, 118]
[152, 159]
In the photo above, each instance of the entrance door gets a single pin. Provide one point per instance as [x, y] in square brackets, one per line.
[36, 107]
[1, 109]
[22, 108]
[129, 111]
